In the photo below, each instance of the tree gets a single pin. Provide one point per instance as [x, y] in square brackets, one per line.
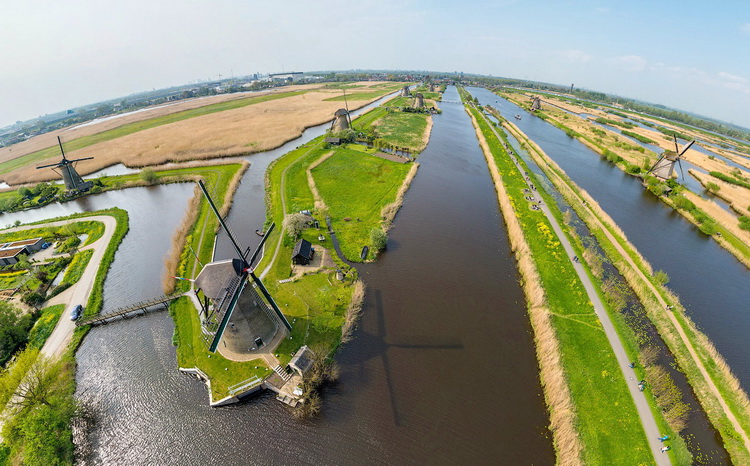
[25, 192]
[14, 329]
[378, 238]
[149, 175]
[295, 224]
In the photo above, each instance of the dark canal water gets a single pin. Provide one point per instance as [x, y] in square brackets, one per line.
[712, 285]
[441, 370]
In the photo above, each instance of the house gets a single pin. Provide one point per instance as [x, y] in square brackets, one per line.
[10, 252]
[303, 360]
[303, 252]
[333, 141]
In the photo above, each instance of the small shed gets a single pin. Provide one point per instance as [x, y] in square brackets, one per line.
[303, 360]
[333, 141]
[303, 252]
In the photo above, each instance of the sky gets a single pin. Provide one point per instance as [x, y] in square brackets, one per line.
[686, 54]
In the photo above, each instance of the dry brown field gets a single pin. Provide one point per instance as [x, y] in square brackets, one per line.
[236, 132]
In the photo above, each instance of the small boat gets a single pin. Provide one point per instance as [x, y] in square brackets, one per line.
[518, 117]
[258, 232]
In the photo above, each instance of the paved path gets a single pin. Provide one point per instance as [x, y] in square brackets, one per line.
[639, 398]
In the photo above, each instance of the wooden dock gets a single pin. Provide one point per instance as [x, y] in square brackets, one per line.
[144, 307]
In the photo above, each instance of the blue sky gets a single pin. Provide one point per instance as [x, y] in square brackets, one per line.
[688, 55]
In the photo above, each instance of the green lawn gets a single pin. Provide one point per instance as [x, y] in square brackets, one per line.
[606, 414]
[134, 127]
[403, 129]
[356, 186]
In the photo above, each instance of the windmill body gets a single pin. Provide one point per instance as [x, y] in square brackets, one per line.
[71, 178]
[664, 166]
[419, 101]
[236, 309]
[341, 120]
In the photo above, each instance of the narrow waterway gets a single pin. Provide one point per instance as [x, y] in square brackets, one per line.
[711, 283]
[441, 369]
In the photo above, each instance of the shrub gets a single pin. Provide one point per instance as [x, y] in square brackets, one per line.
[295, 224]
[149, 175]
[661, 277]
[745, 222]
[378, 238]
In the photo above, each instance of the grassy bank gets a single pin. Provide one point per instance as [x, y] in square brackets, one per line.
[718, 391]
[605, 416]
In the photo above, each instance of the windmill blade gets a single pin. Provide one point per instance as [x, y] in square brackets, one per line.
[687, 147]
[78, 160]
[682, 173]
[271, 301]
[260, 246]
[676, 147]
[50, 165]
[653, 167]
[221, 221]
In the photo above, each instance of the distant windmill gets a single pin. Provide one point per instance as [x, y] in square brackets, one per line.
[536, 103]
[341, 120]
[419, 101]
[664, 167]
[405, 91]
[73, 181]
[227, 290]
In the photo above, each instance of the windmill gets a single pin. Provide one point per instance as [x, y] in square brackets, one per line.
[664, 167]
[536, 103]
[405, 91]
[73, 181]
[419, 101]
[231, 299]
[341, 120]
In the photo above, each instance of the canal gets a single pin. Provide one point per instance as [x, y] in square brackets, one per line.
[442, 367]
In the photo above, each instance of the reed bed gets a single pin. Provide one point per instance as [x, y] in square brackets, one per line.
[241, 131]
[179, 240]
[353, 311]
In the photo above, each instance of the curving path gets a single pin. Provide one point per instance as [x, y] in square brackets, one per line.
[80, 291]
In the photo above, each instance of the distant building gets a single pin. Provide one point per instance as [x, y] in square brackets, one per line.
[303, 252]
[292, 76]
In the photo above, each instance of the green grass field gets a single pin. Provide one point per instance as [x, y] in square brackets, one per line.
[356, 186]
[607, 418]
[134, 127]
[403, 129]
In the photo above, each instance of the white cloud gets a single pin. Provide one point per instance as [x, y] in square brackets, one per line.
[576, 56]
[634, 63]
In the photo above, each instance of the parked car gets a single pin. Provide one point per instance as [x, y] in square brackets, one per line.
[76, 312]
[46, 245]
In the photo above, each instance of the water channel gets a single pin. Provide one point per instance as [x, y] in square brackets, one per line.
[712, 284]
[442, 367]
